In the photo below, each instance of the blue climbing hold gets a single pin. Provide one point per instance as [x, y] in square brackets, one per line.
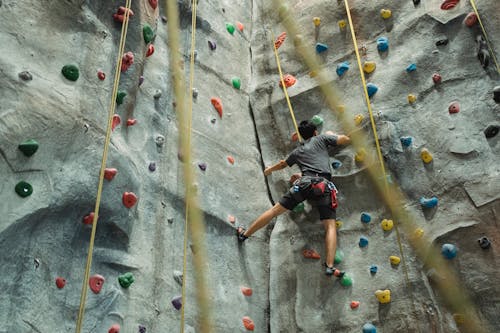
[411, 68]
[363, 241]
[369, 328]
[449, 251]
[373, 269]
[406, 141]
[428, 202]
[365, 218]
[336, 164]
[372, 89]
[382, 44]
[342, 68]
[320, 47]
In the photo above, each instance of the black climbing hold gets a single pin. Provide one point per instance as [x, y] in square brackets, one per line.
[23, 189]
[416, 2]
[71, 72]
[491, 131]
[25, 76]
[442, 41]
[120, 96]
[28, 147]
[496, 94]
[484, 242]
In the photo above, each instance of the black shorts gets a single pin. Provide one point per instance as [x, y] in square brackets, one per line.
[322, 202]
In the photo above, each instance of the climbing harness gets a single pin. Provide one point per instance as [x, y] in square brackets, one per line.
[485, 35]
[315, 188]
[111, 112]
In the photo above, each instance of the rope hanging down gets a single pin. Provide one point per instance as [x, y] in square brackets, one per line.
[490, 48]
[111, 112]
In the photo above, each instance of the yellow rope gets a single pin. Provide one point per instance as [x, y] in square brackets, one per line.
[490, 48]
[111, 112]
[285, 90]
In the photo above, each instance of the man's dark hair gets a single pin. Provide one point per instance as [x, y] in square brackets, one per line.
[306, 129]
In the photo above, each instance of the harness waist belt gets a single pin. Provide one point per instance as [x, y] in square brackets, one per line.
[327, 176]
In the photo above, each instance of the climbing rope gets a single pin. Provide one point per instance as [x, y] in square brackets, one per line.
[490, 48]
[111, 112]
[292, 114]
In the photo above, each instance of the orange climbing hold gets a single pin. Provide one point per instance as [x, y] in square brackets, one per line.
[127, 61]
[119, 16]
[230, 159]
[116, 121]
[129, 199]
[150, 50]
[289, 80]
[280, 40]
[131, 122]
[240, 26]
[310, 254]
[246, 291]
[88, 219]
[115, 328]
[248, 323]
[354, 304]
[110, 173]
[217, 103]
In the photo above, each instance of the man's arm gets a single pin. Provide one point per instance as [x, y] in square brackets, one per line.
[278, 166]
[341, 139]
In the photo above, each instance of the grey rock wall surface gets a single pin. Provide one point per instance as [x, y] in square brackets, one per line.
[43, 237]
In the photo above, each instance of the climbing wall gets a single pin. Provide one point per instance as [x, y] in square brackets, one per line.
[56, 77]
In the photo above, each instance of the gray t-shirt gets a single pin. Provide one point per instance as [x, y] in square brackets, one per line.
[312, 157]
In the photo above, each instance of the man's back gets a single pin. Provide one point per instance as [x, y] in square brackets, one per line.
[312, 157]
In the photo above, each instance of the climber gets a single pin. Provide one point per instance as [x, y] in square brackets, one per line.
[314, 183]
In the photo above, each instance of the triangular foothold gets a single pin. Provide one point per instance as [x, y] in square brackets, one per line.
[177, 302]
[217, 104]
[120, 96]
[310, 254]
[372, 89]
[28, 147]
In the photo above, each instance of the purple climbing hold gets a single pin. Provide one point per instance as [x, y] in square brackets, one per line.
[177, 302]
[142, 329]
[141, 80]
[212, 45]
[152, 166]
[202, 166]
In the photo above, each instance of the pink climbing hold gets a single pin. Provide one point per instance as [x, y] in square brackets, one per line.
[240, 26]
[101, 75]
[436, 78]
[289, 80]
[354, 304]
[60, 282]
[129, 199]
[151, 50]
[116, 121]
[449, 4]
[115, 328]
[153, 3]
[127, 60]
[230, 159]
[110, 173]
[454, 108]
[217, 103]
[310, 254]
[119, 16]
[471, 19]
[248, 323]
[131, 122]
[246, 291]
[280, 40]
[231, 219]
[96, 282]
[89, 219]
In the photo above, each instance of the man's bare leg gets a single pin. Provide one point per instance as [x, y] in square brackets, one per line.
[330, 241]
[265, 218]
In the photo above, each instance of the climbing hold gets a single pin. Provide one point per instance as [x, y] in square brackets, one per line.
[387, 225]
[395, 260]
[300, 208]
[289, 80]
[153, 3]
[89, 219]
[177, 302]
[141, 80]
[449, 251]
[248, 323]
[342, 24]
[369, 67]
[496, 94]
[385, 13]
[426, 156]
[127, 61]
[129, 199]
[470, 19]
[60, 282]
[449, 4]
[373, 269]
[147, 33]
[317, 120]
[416, 2]
[115, 328]
[280, 40]
[126, 280]
[158, 95]
[150, 50]
[411, 68]
[316, 21]
[436, 78]
[354, 305]
[383, 296]
[212, 45]
[363, 241]
[360, 155]
[230, 28]
[491, 131]
[336, 164]
[217, 103]
[246, 291]
[365, 217]
[231, 219]
[230, 159]
[369, 328]
[454, 107]
[310, 254]
[177, 276]
[342, 68]
[372, 89]
[294, 137]
[101, 75]
[418, 233]
[382, 44]
[346, 280]
[358, 119]
[131, 122]
[320, 47]
[484, 242]
[412, 98]
[142, 329]
[160, 140]
[428, 202]
[406, 141]
[120, 14]
[240, 26]
[442, 41]
[195, 93]
[25, 76]
[28, 147]
[152, 166]
[115, 122]
[339, 256]
[96, 282]
[338, 224]
[236, 82]
[71, 72]
[120, 96]
[23, 189]
[202, 166]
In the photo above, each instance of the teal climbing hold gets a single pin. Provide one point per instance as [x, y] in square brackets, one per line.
[372, 89]
[300, 208]
[339, 256]
[365, 217]
[382, 44]
[120, 96]
[429, 202]
[236, 82]
[24, 189]
[148, 33]
[369, 328]
[346, 281]
[230, 28]
[449, 251]
[126, 280]
[342, 68]
[71, 72]
[28, 147]
[411, 68]
[320, 47]
[317, 120]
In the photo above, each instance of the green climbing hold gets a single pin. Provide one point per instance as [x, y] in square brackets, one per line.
[126, 280]
[148, 33]
[71, 72]
[24, 189]
[300, 208]
[339, 256]
[317, 120]
[28, 147]
[346, 281]
[120, 96]
[236, 82]
[230, 28]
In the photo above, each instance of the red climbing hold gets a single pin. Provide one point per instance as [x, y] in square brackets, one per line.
[310, 254]
[153, 3]
[248, 323]
[131, 122]
[60, 282]
[230, 159]
[119, 16]
[436, 78]
[115, 328]
[88, 219]
[127, 61]
[470, 19]
[240, 26]
[110, 173]
[151, 50]
[289, 80]
[246, 291]
[101, 75]
[354, 304]
[116, 121]
[96, 282]
[217, 103]
[449, 4]
[280, 40]
[129, 199]
[454, 108]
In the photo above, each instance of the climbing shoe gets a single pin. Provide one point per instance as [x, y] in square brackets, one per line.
[240, 232]
[333, 271]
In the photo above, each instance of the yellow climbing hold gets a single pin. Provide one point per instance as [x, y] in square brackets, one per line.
[426, 155]
[412, 98]
[342, 24]
[360, 155]
[313, 73]
[387, 225]
[418, 233]
[369, 66]
[358, 119]
[383, 296]
[316, 21]
[385, 13]
[395, 260]
[338, 224]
